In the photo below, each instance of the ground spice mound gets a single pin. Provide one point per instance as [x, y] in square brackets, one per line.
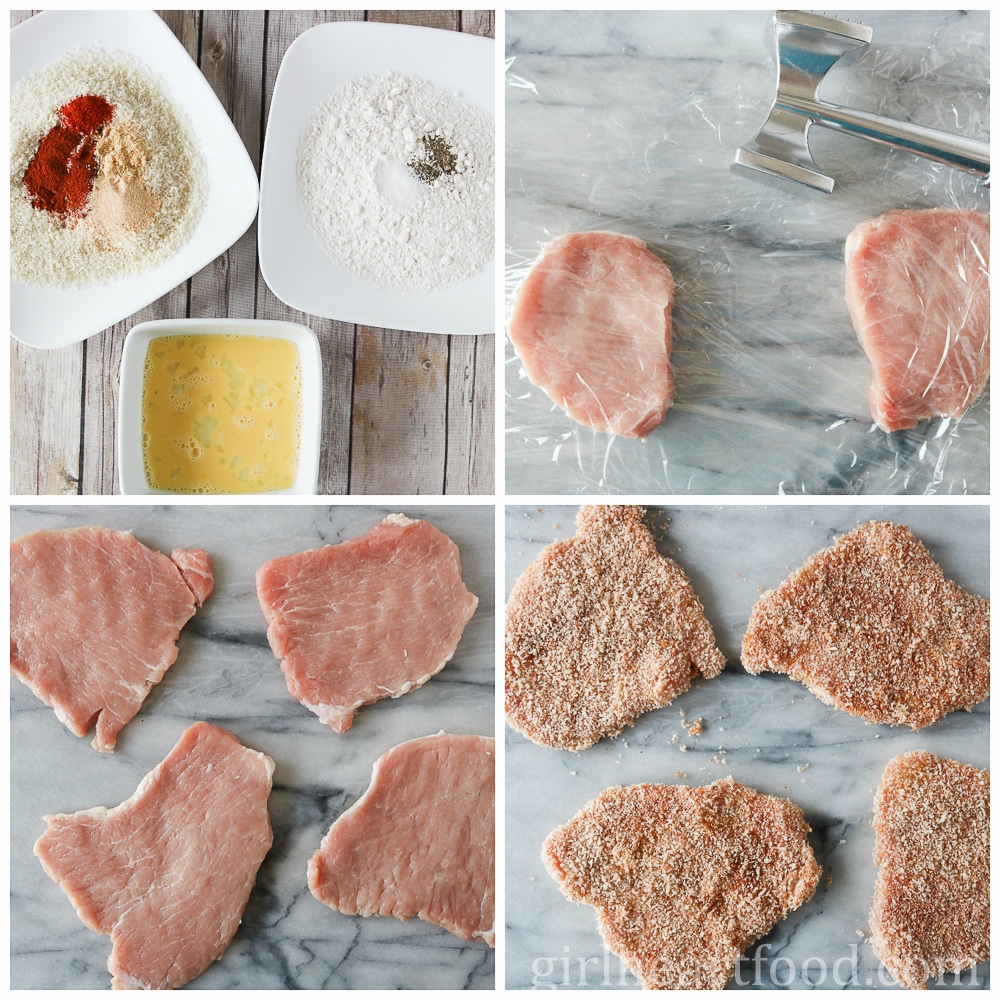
[931, 912]
[871, 626]
[684, 879]
[137, 180]
[121, 201]
[601, 628]
[60, 175]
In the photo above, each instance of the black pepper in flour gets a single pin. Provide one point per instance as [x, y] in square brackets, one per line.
[437, 158]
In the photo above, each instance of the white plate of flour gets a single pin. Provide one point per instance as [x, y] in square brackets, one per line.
[51, 317]
[330, 59]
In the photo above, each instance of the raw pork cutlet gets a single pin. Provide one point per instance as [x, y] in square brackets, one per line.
[167, 874]
[872, 627]
[94, 621]
[591, 325]
[601, 628]
[370, 618]
[919, 298]
[931, 913]
[684, 879]
[420, 841]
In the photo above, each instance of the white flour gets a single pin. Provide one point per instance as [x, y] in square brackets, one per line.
[380, 201]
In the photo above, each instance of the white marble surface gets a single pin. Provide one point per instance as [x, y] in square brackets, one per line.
[629, 121]
[768, 732]
[226, 673]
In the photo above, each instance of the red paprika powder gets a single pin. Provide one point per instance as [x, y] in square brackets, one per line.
[87, 114]
[61, 174]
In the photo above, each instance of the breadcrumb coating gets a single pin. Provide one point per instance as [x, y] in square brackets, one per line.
[931, 912]
[872, 627]
[601, 628]
[684, 879]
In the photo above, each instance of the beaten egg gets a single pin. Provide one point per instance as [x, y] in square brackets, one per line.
[221, 413]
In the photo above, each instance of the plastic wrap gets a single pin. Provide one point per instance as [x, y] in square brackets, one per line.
[628, 122]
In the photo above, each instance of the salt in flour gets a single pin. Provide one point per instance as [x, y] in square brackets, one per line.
[396, 181]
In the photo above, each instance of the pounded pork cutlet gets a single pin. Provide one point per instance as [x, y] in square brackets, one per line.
[591, 325]
[94, 621]
[420, 841]
[918, 291]
[601, 628]
[684, 879]
[871, 626]
[931, 913]
[167, 874]
[373, 617]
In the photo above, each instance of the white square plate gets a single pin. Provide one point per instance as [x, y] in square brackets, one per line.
[53, 317]
[131, 468]
[296, 268]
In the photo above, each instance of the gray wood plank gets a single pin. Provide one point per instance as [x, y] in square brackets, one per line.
[446, 19]
[479, 22]
[393, 423]
[470, 459]
[45, 419]
[399, 425]
[399, 420]
[336, 339]
[231, 56]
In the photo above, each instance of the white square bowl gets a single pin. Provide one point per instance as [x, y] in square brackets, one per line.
[55, 317]
[131, 469]
[296, 268]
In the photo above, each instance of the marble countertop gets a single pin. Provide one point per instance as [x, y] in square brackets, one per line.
[767, 732]
[226, 674]
[628, 121]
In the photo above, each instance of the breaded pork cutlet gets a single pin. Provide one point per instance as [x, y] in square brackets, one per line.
[684, 879]
[601, 628]
[931, 913]
[872, 627]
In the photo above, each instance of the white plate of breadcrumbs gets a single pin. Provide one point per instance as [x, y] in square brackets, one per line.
[153, 181]
[377, 198]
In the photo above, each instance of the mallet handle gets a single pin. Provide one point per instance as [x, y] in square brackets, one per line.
[953, 150]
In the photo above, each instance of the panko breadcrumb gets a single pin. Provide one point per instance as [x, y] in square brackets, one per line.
[684, 879]
[931, 912]
[601, 628]
[872, 627]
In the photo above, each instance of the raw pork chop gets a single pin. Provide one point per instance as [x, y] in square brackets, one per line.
[591, 325]
[94, 621]
[167, 874]
[684, 879]
[918, 294]
[931, 913]
[420, 841]
[601, 628]
[370, 618]
[871, 626]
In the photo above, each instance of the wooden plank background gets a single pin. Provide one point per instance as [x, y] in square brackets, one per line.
[404, 413]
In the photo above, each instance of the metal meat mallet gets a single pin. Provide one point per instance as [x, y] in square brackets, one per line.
[808, 45]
